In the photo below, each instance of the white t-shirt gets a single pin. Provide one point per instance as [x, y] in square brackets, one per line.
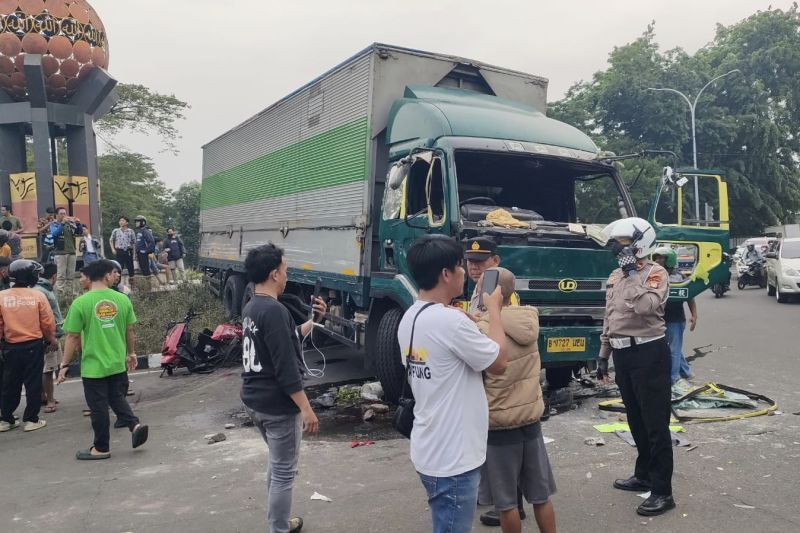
[451, 421]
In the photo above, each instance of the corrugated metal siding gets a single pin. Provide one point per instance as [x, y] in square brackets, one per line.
[313, 207]
[345, 98]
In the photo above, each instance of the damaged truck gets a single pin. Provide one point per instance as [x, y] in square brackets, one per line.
[347, 171]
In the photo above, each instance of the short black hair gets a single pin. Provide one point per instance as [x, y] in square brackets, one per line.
[8, 207]
[261, 261]
[171, 229]
[159, 239]
[60, 208]
[50, 270]
[50, 211]
[429, 255]
[98, 270]
[6, 225]
[123, 217]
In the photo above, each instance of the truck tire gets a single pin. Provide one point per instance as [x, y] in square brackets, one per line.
[232, 295]
[249, 292]
[388, 366]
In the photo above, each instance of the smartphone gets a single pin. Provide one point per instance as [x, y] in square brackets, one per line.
[317, 291]
[489, 284]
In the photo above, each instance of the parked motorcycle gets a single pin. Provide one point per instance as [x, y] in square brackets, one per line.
[220, 347]
[720, 288]
[754, 275]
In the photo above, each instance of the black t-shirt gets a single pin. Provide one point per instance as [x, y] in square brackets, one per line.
[271, 357]
[674, 312]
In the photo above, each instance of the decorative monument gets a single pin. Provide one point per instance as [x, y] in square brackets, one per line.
[53, 85]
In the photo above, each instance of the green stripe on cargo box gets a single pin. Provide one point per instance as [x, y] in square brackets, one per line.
[336, 157]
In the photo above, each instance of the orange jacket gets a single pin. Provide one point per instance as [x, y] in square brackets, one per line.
[25, 316]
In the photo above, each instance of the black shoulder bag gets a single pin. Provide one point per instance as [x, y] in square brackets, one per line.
[403, 420]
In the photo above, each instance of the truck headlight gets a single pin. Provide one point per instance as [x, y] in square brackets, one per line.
[791, 272]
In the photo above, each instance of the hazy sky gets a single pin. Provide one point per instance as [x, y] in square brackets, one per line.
[231, 59]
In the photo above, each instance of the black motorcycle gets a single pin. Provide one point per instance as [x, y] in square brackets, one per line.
[721, 287]
[754, 275]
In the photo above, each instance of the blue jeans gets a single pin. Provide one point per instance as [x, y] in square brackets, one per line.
[89, 258]
[282, 433]
[452, 500]
[680, 367]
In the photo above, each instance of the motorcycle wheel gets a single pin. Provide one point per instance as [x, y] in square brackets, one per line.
[740, 284]
[170, 371]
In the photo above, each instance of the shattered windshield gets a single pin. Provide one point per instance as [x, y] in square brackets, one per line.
[534, 189]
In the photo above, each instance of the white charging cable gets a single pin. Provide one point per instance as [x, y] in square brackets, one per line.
[314, 372]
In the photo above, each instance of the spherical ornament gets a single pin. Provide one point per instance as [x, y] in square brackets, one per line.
[68, 34]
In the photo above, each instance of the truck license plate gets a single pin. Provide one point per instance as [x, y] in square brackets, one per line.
[566, 344]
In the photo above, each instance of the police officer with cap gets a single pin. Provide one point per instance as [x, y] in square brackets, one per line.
[481, 255]
[634, 331]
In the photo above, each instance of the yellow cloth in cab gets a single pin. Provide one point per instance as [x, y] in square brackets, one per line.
[501, 217]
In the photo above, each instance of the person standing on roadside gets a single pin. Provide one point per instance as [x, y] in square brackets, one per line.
[14, 240]
[45, 238]
[516, 456]
[53, 354]
[634, 332]
[100, 322]
[5, 284]
[64, 229]
[145, 245]
[272, 380]
[26, 325]
[175, 253]
[122, 241]
[445, 355]
[5, 215]
[89, 248]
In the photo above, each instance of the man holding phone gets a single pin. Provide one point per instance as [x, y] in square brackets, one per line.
[445, 365]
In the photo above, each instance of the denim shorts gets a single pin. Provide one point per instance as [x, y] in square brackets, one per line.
[452, 501]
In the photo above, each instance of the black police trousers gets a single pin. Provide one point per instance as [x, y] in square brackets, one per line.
[24, 365]
[643, 377]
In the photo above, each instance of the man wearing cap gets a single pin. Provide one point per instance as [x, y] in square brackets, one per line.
[634, 331]
[481, 255]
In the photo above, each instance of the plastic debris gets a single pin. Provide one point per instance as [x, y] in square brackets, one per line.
[357, 443]
[215, 437]
[548, 440]
[588, 475]
[230, 426]
[372, 392]
[644, 495]
[595, 441]
[740, 506]
[320, 497]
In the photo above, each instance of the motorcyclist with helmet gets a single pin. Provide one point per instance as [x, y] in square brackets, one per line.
[145, 244]
[634, 332]
[26, 325]
[752, 254]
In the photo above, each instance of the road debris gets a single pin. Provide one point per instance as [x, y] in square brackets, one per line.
[358, 443]
[320, 497]
[230, 426]
[372, 392]
[740, 506]
[379, 408]
[594, 441]
[644, 495]
[213, 438]
[368, 415]
[548, 440]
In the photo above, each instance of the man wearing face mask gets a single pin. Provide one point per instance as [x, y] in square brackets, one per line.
[634, 332]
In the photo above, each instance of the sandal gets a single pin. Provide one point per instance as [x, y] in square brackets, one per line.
[87, 455]
[50, 409]
[139, 436]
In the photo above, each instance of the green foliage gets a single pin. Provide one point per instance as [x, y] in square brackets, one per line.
[145, 111]
[184, 216]
[746, 123]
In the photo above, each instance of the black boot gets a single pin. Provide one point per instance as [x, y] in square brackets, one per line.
[633, 483]
[656, 505]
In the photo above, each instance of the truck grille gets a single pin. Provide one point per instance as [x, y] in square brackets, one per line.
[570, 303]
[553, 285]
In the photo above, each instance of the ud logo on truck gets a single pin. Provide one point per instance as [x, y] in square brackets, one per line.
[567, 285]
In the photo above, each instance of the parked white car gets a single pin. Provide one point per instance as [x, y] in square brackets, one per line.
[783, 269]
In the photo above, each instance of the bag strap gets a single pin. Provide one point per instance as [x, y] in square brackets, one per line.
[411, 346]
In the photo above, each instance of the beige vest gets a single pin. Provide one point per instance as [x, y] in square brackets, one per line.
[515, 397]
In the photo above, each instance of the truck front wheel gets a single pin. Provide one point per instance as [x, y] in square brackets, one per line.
[388, 365]
[232, 295]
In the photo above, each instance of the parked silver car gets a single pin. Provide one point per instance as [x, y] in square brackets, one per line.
[783, 269]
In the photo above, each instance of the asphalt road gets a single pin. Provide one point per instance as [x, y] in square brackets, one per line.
[742, 477]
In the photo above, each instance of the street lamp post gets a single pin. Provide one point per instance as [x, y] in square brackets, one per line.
[692, 108]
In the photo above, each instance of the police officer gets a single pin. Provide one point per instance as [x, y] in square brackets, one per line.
[634, 331]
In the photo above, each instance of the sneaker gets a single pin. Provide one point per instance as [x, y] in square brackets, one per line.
[5, 426]
[33, 426]
[295, 524]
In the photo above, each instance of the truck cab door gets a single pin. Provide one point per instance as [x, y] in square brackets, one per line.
[690, 213]
[415, 204]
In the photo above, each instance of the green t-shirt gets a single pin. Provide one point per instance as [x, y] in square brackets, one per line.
[102, 318]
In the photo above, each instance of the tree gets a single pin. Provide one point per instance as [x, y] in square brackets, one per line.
[184, 216]
[746, 124]
[145, 111]
[129, 186]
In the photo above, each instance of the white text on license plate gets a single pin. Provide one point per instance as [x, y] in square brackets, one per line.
[566, 344]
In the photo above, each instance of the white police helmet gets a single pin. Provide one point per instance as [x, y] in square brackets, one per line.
[638, 230]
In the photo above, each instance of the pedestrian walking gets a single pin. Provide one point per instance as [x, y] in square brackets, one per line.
[14, 240]
[53, 353]
[145, 245]
[175, 254]
[675, 316]
[122, 242]
[89, 248]
[45, 237]
[6, 216]
[26, 325]
[100, 322]
[634, 332]
[445, 354]
[64, 229]
[272, 382]
[516, 456]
